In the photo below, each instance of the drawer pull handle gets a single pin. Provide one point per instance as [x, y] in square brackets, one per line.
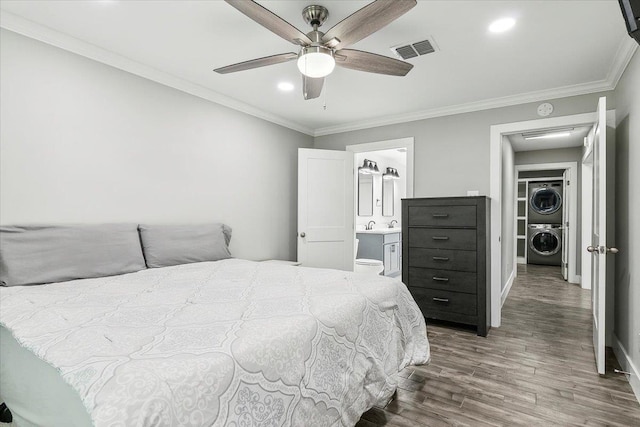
[440, 279]
[440, 258]
[441, 299]
[440, 215]
[440, 238]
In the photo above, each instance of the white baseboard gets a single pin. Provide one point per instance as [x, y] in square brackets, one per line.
[627, 365]
[507, 287]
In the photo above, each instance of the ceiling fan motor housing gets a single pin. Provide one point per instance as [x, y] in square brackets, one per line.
[315, 15]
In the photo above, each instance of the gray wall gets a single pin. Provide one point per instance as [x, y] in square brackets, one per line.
[627, 207]
[83, 142]
[542, 174]
[550, 156]
[452, 152]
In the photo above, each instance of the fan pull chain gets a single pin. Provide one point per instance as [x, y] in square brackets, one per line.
[324, 94]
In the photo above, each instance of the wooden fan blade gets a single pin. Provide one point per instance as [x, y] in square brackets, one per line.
[255, 63]
[367, 21]
[371, 62]
[311, 88]
[271, 21]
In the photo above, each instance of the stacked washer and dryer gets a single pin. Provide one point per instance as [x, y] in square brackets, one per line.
[544, 231]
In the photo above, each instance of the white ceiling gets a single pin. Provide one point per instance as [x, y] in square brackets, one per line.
[557, 48]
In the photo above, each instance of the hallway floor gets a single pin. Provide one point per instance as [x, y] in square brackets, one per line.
[536, 369]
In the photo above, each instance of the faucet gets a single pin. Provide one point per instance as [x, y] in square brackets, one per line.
[391, 223]
[369, 225]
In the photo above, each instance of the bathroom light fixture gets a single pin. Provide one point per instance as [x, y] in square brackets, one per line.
[391, 173]
[316, 61]
[502, 25]
[375, 169]
[365, 168]
[369, 167]
[548, 135]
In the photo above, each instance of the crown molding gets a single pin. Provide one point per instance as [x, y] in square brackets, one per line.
[47, 35]
[17, 24]
[625, 52]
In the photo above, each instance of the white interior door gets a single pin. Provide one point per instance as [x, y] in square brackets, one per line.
[598, 247]
[326, 209]
[566, 182]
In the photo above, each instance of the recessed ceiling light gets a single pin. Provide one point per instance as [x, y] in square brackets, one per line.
[285, 86]
[501, 25]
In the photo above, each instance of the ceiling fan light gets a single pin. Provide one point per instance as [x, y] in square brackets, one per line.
[316, 61]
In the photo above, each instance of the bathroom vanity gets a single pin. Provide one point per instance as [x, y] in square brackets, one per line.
[384, 245]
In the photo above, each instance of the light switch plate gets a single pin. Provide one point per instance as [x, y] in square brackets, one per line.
[473, 193]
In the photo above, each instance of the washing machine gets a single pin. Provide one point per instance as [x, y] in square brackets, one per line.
[544, 244]
[545, 202]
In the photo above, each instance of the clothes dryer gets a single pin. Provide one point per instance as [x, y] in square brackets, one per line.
[545, 202]
[544, 244]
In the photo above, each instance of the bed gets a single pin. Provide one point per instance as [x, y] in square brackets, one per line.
[226, 342]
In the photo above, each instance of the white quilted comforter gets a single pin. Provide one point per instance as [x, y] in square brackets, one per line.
[233, 343]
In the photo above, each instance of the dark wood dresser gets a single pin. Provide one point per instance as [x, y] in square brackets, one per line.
[445, 262]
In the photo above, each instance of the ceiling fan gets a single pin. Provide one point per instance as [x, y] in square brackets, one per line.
[321, 52]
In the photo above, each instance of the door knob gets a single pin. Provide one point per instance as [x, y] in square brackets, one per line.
[612, 250]
[592, 249]
[302, 234]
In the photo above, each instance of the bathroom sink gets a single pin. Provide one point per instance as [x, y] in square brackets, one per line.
[381, 230]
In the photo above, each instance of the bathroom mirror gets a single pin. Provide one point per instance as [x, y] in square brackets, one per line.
[388, 186]
[365, 195]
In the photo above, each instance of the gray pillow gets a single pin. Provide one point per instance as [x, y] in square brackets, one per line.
[165, 245]
[36, 254]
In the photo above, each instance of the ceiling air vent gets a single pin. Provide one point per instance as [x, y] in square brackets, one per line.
[412, 50]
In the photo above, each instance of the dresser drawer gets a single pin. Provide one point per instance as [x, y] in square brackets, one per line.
[445, 280]
[433, 300]
[443, 216]
[443, 259]
[442, 238]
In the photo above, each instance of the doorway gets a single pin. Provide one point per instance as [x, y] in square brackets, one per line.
[383, 176]
[502, 221]
[528, 176]
[602, 203]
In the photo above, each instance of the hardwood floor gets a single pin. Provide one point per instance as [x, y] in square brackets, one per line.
[537, 369]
